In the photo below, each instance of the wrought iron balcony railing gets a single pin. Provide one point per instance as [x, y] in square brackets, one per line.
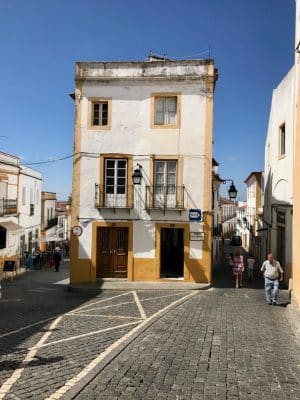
[165, 197]
[8, 207]
[113, 196]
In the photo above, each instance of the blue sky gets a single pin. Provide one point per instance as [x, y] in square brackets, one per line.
[252, 43]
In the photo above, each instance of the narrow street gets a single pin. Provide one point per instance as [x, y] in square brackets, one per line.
[221, 343]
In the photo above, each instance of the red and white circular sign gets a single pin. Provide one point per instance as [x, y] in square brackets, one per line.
[77, 230]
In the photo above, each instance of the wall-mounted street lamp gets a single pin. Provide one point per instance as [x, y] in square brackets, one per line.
[232, 191]
[137, 175]
[297, 49]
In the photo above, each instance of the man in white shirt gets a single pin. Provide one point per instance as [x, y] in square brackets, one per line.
[273, 273]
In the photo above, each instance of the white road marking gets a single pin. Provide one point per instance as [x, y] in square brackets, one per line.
[102, 316]
[247, 297]
[73, 381]
[139, 305]
[39, 346]
[162, 297]
[78, 311]
[26, 327]
[101, 301]
[4, 389]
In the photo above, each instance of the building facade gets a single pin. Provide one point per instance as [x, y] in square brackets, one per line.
[29, 209]
[49, 221]
[296, 169]
[279, 164]
[253, 227]
[227, 210]
[153, 120]
[9, 227]
[217, 231]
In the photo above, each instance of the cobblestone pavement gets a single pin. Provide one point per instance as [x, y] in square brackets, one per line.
[224, 343]
[49, 335]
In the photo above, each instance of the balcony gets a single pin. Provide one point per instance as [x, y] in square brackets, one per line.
[51, 222]
[165, 197]
[8, 207]
[113, 197]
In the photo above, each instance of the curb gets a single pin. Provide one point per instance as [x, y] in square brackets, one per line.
[73, 392]
[160, 286]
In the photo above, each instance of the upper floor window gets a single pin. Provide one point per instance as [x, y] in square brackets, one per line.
[23, 196]
[99, 113]
[282, 140]
[165, 112]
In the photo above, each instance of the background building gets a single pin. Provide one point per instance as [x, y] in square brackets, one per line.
[149, 120]
[227, 210]
[49, 221]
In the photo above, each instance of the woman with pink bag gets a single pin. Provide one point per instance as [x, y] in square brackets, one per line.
[238, 269]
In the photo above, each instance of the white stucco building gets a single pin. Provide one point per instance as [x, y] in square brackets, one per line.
[227, 209]
[279, 153]
[29, 208]
[20, 208]
[153, 117]
[49, 221]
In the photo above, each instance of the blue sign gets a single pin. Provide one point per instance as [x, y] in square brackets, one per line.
[195, 214]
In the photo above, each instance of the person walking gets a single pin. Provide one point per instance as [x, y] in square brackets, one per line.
[56, 259]
[273, 273]
[238, 269]
[250, 267]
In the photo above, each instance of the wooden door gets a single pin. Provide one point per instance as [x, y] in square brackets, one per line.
[112, 252]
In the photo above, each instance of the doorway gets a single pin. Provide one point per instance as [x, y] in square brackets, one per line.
[281, 244]
[112, 252]
[171, 253]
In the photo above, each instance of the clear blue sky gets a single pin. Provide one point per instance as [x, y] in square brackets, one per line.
[252, 43]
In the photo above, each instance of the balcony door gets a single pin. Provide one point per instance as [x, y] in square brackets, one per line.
[165, 172]
[112, 252]
[115, 191]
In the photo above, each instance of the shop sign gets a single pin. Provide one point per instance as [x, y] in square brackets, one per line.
[194, 214]
[196, 236]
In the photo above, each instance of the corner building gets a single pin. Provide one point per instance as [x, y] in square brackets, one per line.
[152, 119]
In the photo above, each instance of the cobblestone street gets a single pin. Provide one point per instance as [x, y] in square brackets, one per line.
[221, 343]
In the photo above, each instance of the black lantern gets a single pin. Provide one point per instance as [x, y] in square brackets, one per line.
[232, 191]
[137, 175]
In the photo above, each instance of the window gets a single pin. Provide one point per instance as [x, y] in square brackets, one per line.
[99, 114]
[23, 196]
[31, 210]
[282, 140]
[165, 183]
[3, 190]
[2, 237]
[165, 110]
[30, 242]
[115, 182]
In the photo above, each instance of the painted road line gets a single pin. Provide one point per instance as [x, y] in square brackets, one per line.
[103, 316]
[94, 363]
[39, 346]
[139, 306]
[4, 389]
[100, 301]
[162, 297]
[26, 327]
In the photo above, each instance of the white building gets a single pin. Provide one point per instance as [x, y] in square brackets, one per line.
[279, 153]
[29, 208]
[20, 202]
[49, 221]
[228, 217]
[252, 231]
[9, 227]
[153, 117]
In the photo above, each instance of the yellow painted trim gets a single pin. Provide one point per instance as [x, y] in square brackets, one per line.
[178, 114]
[128, 157]
[92, 100]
